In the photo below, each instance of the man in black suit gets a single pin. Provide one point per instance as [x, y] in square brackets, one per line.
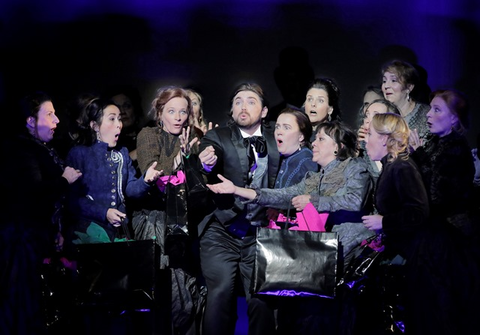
[245, 152]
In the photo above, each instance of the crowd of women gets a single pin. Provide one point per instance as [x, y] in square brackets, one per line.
[405, 177]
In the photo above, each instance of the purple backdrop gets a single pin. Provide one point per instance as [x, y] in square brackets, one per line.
[65, 47]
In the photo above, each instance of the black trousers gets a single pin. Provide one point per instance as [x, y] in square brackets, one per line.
[225, 258]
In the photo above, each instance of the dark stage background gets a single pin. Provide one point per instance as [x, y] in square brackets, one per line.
[66, 47]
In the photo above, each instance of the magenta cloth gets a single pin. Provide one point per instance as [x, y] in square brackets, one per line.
[172, 179]
[375, 244]
[307, 220]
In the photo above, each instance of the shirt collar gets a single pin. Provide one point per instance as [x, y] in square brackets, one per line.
[258, 132]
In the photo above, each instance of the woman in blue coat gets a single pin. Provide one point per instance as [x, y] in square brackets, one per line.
[97, 200]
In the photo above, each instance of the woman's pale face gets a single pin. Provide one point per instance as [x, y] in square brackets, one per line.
[368, 98]
[376, 144]
[392, 89]
[287, 134]
[46, 122]
[440, 119]
[375, 108]
[111, 125]
[317, 105]
[324, 149]
[175, 115]
[126, 109]
[195, 105]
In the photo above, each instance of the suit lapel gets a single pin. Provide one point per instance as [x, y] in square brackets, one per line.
[237, 141]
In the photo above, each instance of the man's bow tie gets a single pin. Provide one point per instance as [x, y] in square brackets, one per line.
[258, 142]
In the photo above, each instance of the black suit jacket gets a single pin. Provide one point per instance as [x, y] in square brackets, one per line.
[233, 164]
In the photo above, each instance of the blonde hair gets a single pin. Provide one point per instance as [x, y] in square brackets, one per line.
[201, 120]
[396, 128]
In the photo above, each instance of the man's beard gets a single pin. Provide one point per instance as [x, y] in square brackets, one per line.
[247, 123]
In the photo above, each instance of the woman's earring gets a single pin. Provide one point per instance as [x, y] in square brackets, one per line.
[98, 136]
[335, 152]
[329, 117]
[408, 95]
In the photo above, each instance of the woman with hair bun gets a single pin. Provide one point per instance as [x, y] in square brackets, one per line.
[35, 181]
[448, 272]
[95, 201]
[401, 205]
[445, 160]
[400, 197]
[322, 103]
[166, 215]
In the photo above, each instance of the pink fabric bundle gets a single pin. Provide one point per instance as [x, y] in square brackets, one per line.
[307, 220]
[177, 179]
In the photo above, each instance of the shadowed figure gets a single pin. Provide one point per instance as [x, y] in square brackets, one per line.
[292, 76]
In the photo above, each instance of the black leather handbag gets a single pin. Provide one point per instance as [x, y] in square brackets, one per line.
[295, 263]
